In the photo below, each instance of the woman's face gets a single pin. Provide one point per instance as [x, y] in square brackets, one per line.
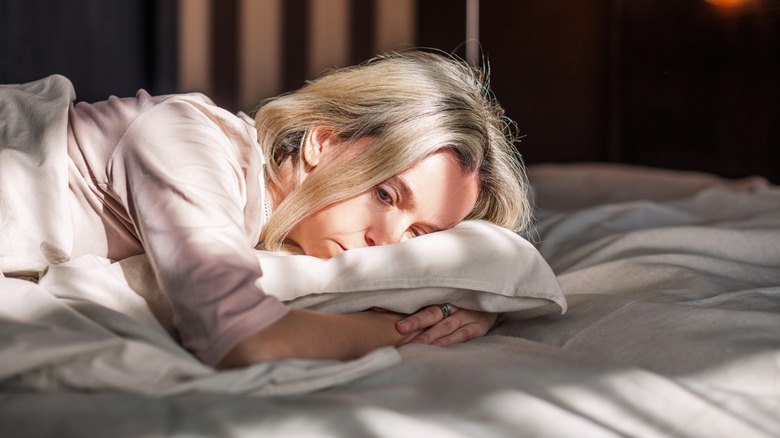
[431, 196]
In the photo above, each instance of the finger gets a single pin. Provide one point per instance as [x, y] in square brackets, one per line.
[463, 334]
[443, 328]
[447, 310]
[472, 323]
[423, 319]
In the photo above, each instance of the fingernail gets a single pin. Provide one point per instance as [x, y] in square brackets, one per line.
[404, 326]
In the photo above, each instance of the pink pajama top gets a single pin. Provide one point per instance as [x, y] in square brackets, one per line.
[181, 180]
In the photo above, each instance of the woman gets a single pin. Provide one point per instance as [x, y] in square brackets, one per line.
[403, 145]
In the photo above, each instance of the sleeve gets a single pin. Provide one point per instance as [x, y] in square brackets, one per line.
[175, 170]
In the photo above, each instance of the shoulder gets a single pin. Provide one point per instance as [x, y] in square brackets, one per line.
[194, 111]
[185, 126]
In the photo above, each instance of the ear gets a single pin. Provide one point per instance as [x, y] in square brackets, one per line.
[317, 143]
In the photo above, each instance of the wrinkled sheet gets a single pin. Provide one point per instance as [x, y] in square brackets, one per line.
[673, 329]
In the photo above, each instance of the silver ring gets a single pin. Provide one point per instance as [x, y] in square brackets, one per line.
[446, 310]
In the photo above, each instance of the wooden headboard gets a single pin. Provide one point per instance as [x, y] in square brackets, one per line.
[676, 84]
[669, 83]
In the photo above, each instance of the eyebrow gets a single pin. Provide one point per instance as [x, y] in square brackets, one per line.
[409, 199]
[406, 192]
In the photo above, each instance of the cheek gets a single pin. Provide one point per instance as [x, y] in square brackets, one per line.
[353, 213]
[345, 217]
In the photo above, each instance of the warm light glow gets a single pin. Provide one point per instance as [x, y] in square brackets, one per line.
[728, 3]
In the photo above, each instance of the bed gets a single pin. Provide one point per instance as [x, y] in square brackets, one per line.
[671, 328]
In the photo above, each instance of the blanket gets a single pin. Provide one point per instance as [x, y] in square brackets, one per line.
[672, 330]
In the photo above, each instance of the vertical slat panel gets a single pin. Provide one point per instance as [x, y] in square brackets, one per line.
[614, 116]
[162, 19]
[295, 44]
[261, 52]
[441, 24]
[362, 30]
[472, 32]
[329, 36]
[395, 25]
[194, 46]
[224, 73]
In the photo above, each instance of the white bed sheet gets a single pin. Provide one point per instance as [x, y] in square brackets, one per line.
[673, 329]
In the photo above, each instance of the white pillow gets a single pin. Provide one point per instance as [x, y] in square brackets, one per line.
[475, 265]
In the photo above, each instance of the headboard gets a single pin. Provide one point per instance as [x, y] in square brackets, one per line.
[682, 85]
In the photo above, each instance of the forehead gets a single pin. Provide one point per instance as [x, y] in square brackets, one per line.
[442, 194]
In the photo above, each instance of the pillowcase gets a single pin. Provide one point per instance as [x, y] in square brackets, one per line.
[475, 265]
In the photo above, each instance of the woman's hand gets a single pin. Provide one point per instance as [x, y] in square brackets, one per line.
[460, 326]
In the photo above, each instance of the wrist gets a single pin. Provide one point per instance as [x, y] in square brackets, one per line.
[311, 335]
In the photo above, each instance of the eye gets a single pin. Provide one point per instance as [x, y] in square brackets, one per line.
[416, 232]
[384, 195]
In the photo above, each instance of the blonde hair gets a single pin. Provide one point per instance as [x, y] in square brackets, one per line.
[411, 105]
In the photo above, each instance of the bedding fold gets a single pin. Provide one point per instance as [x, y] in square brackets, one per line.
[34, 190]
[58, 337]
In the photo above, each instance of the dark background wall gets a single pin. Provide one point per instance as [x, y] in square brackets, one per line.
[669, 83]
[104, 46]
[703, 90]
[677, 84]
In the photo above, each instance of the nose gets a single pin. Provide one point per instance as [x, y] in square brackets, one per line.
[385, 233]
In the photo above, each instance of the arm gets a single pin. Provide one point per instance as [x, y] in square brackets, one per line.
[310, 335]
[181, 173]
